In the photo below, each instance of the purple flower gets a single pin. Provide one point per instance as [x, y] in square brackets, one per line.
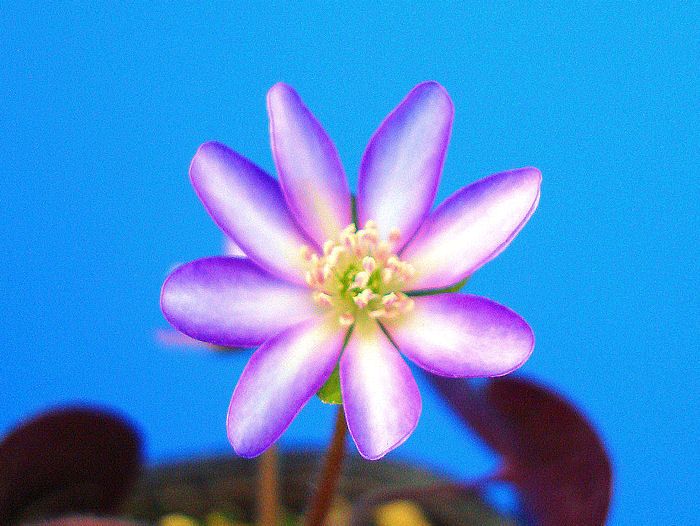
[315, 291]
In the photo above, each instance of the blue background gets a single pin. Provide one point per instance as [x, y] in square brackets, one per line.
[102, 108]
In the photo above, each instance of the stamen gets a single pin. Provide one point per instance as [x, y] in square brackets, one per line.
[368, 237]
[346, 319]
[305, 253]
[382, 252]
[363, 298]
[351, 242]
[407, 270]
[328, 246]
[378, 313]
[390, 300]
[318, 275]
[310, 279]
[394, 235]
[392, 263]
[360, 281]
[335, 255]
[369, 264]
[323, 299]
[326, 271]
[387, 275]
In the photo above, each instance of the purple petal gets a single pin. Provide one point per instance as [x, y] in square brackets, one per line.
[401, 167]
[231, 249]
[279, 379]
[232, 302]
[248, 205]
[309, 168]
[472, 227]
[380, 395]
[462, 335]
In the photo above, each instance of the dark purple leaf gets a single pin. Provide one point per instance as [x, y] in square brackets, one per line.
[551, 452]
[85, 521]
[70, 460]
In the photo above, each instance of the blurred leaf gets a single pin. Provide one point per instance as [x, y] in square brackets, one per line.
[401, 513]
[85, 521]
[71, 460]
[177, 519]
[447, 502]
[551, 452]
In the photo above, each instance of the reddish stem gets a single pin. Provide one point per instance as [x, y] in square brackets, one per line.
[268, 488]
[328, 481]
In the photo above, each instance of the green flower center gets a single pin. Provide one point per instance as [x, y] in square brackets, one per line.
[358, 275]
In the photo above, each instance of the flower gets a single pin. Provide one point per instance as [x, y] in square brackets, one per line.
[324, 285]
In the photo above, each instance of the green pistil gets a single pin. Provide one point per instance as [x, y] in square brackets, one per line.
[375, 281]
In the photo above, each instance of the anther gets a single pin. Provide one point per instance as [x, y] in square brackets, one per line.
[378, 313]
[387, 275]
[390, 300]
[318, 275]
[335, 255]
[391, 314]
[394, 235]
[406, 306]
[382, 252]
[392, 263]
[351, 242]
[326, 271]
[363, 298]
[322, 299]
[310, 279]
[369, 264]
[368, 237]
[346, 319]
[305, 253]
[360, 281]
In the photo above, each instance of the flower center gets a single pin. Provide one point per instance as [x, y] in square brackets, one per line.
[358, 275]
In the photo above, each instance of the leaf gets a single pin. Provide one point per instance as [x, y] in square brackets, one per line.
[330, 391]
[454, 503]
[85, 521]
[66, 461]
[552, 454]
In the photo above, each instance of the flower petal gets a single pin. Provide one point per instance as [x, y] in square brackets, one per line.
[461, 335]
[248, 205]
[401, 167]
[231, 249]
[279, 379]
[232, 302]
[310, 171]
[472, 227]
[380, 396]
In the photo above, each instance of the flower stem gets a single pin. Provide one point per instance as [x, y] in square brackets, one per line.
[268, 488]
[328, 481]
